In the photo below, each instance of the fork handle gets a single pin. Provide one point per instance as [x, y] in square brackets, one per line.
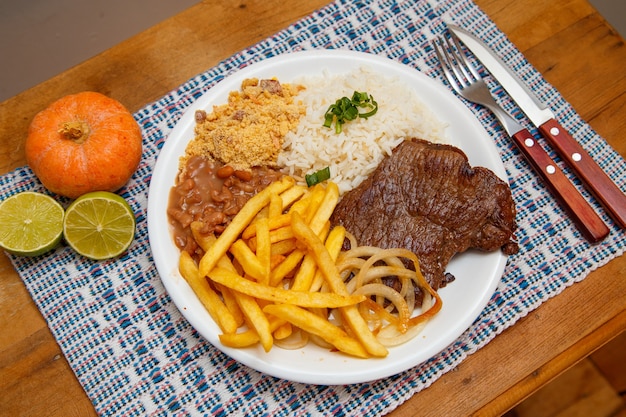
[583, 215]
[596, 180]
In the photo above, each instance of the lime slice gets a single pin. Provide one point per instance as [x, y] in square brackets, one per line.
[30, 223]
[99, 225]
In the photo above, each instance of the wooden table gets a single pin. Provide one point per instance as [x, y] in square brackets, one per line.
[575, 49]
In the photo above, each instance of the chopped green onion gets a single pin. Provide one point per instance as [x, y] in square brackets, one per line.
[317, 177]
[346, 109]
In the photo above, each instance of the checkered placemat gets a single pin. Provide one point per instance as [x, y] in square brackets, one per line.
[135, 354]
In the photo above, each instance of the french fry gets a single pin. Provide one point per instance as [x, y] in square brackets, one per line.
[256, 319]
[301, 205]
[283, 331]
[275, 236]
[262, 214]
[275, 206]
[280, 295]
[208, 297]
[319, 326]
[292, 194]
[205, 241]
[317, 196]
[326, 264]
[248, 260]
[308, 268]
[284, 247]
[240, 222]
[249, 337]
[264, 249]
[231, 303]
[304, 276]
[316, 248]
[225, 262]
[280, 234]
[275, 260]
[274, 223]
[334, 243]
[239, 340]
[286, 267]
[325, 209]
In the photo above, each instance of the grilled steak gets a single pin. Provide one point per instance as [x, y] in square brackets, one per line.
[427, 198]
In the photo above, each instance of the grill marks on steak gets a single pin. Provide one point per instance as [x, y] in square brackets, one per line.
[427, 198]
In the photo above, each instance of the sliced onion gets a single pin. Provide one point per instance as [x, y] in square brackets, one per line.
[320, 342]
[298, 339]
[390, 336]
[394, 297]
[387, 311]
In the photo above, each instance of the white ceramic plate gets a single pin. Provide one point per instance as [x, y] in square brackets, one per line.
[477, 274]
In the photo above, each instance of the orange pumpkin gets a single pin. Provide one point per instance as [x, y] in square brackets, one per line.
[83, 142]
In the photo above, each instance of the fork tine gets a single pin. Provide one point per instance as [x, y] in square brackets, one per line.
[453, 60]
[468, 67]
[453, 55]
[446, 64]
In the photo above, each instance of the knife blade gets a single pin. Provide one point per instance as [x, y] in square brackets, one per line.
[589, 172]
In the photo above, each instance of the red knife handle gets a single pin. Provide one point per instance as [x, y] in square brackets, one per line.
[583, 215]
[596, 180]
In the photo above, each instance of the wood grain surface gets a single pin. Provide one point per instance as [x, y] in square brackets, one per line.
[575, 49]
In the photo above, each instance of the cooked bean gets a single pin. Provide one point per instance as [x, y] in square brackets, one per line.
[214, 218]
[225, 171]
[216, 196]
[243, 175]
[187, 185]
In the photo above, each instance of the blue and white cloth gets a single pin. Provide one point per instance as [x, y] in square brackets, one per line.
[135, 354]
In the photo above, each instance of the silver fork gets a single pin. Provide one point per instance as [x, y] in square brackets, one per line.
[468, 83]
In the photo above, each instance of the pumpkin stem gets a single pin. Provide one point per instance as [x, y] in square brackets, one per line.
[76, 131]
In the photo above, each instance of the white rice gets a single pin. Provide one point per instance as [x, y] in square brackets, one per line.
[355, 152]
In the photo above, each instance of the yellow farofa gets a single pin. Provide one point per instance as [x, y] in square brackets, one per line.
[249, 130]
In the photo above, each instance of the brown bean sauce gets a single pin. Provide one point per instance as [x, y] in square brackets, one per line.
[211, 193]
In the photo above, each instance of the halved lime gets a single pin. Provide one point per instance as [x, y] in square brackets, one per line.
[31, 223]
[99, 225]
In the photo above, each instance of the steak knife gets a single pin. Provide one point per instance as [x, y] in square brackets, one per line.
[590, 173]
